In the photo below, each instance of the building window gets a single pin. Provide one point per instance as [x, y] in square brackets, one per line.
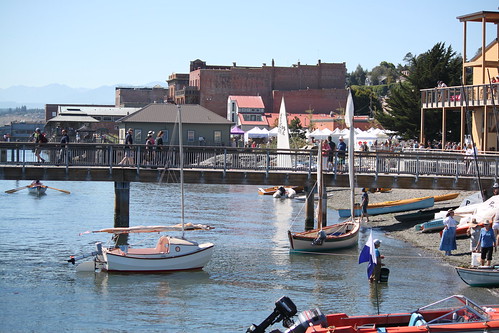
[217, 137]
[190, 136]
[233, 107]
[166, 136]
[138, 135]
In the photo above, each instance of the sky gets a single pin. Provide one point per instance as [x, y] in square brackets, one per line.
[94, 43]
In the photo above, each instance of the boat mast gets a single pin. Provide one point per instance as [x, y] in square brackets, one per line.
[320, 189]
[181, 153]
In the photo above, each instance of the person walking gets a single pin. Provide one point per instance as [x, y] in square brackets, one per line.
[159, 148]
[39, 139]
[128, 159]
[448, 240]
[364, 204]
[487, 242]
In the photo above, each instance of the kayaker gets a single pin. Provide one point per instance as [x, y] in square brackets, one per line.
[487, 242]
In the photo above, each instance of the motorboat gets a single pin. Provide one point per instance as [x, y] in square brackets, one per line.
[456, 313]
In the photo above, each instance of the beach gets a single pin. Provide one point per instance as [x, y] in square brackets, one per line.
[427, 242]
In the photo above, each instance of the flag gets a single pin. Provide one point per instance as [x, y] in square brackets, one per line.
[368, 254]
[349, 111]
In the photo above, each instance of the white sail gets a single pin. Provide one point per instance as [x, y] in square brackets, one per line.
[283, 160]
[349, 122]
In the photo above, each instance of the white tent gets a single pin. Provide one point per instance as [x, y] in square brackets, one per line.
[273, 132]
[255, 133]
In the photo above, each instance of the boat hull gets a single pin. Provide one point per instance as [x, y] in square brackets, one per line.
[303, 241]
[180, 258]
[273, 189]
[479, 277]
[37, 190]
[391, 207]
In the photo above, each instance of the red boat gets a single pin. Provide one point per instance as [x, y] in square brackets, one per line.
[456, 314]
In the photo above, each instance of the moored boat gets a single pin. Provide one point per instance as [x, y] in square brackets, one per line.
[333, 237]
[394, 206]
[456, 313]
[274, 189]
[421, 215]
[482, 276]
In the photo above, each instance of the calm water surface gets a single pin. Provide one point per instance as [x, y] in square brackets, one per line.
[250, 269]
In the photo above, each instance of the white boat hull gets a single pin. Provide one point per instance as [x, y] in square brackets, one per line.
[182, 256]
[304, 241]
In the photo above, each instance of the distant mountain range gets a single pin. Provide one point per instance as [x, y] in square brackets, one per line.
[37, 97]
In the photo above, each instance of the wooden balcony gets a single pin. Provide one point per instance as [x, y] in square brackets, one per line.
[460, 96]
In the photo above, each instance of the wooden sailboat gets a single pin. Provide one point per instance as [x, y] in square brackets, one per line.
[333, 237]
[169, 254]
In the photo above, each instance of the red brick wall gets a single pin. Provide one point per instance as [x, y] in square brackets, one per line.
[215, 85]
[322, 101]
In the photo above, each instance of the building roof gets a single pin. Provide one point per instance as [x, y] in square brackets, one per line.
[73, 118]
[96, 110]
[254, 102]
[167, 113]
[478, 16]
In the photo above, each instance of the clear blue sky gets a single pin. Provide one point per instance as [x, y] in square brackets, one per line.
[93, 43]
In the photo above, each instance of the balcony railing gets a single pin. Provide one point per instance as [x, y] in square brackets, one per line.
[459, 96]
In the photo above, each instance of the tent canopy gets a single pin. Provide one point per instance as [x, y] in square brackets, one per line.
[236, 131]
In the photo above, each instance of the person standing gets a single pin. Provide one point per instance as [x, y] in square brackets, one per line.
[364, 204]
[342, 149]
[64, 146]
[332, 149]
[150, 143]
[377, 268]
[474, 233]
[488, 243]
[448, 241]
[159, 148]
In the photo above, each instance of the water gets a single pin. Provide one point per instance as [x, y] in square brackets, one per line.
[250, 269]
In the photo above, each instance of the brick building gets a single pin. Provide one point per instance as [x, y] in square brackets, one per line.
[140, 97]
[318, 87]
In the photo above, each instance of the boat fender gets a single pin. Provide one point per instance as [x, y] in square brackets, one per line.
[321, 237]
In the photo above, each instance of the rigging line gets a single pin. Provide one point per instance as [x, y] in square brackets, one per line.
[468, 125]
[304, 205]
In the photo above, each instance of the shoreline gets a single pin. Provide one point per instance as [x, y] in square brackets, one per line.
[428, 242]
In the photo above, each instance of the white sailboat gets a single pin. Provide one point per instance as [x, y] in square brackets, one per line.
[283, 159]
[169, 254]
[337, 236]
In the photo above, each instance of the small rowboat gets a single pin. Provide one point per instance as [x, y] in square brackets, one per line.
[37, 189]
[482, 276]
[273, 189]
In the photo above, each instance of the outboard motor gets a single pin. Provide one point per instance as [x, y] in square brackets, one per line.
[306, 319]
[284, 310]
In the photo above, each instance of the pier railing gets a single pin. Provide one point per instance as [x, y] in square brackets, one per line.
[416, 163]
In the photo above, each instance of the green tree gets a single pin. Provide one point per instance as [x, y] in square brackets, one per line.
[357, 77]
[366, 101]
[402, 114]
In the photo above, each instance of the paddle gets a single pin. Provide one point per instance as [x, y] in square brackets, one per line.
[53, 188]
[16, 189]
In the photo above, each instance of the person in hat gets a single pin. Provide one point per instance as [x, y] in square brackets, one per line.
[473, 233]
[495, 189]
[377, 268]
[128, 159]
[487, 242]
[448, 240]
[342, 149]
[150, 143]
